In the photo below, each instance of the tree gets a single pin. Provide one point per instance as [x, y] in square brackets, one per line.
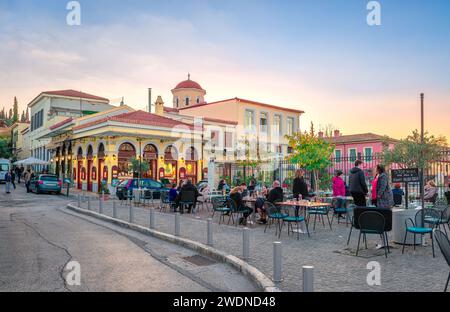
[310, 152]
[139, 166]
[10, 116]
[27, 116]
[410, 153]
[22, 117]
[5, 148]
[2, 114]
[15, 110]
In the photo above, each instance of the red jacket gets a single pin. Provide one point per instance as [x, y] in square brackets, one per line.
[338, 186]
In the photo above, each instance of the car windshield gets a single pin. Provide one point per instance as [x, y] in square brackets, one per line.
[124, 183]
[49, 178]
[4, 167]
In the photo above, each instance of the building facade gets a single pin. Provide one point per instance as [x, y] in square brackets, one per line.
[19, 140]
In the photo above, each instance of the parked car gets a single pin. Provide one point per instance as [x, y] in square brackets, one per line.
[46, 183]
[129, 184]
[5, 166]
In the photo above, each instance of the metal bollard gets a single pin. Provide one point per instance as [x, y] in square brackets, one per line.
[152, 218]
[210, 232]
[114, 209]
[246, 243]
[308, 278]
[277, 262]
[177, 224]
[79, 200]
[131, 214]
[100, 205]
[103, 195]
[88, 203]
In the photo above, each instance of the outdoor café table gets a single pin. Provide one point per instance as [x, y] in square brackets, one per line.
[304, 205]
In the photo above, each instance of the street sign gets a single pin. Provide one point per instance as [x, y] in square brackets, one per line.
[405, 175]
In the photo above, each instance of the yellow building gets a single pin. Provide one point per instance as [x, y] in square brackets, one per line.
[19, 143]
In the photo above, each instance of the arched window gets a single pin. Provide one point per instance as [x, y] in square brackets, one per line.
[90, 152]
[191, 154]
[170, 153]
[187, 101]
[101, 151]
[126, 153]
[177, 101]
[198, 100]
[80, 153]
[150, 152]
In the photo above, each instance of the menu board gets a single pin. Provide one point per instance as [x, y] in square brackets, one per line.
[405, 175]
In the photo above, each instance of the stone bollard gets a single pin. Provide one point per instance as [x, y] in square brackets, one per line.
[100, 205]
[152, 218]
[131, 214]
[209, 232]
[88, 203]
[114, 209]
[79, 200]
[177, 224]
[308, 278]
[277, 262]
[246, 243]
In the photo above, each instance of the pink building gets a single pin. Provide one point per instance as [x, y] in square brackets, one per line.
[366, 147]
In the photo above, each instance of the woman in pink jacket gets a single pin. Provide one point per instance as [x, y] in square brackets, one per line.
[338, 184]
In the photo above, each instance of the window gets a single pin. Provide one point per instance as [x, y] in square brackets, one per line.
[290, 149]
[228, 139]
[352, 154]
[338, 155]
[37, 120]
[279, 149]
[277, 125]
[197, 100]
[249, 119]
[187, 99]
[368, 153]
[215, 137]
[290, 126]
[263, 123]
[177, 101]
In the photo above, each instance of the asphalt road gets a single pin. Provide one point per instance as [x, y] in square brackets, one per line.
[38, 237]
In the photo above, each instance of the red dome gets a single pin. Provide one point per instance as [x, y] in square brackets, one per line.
[188, 84]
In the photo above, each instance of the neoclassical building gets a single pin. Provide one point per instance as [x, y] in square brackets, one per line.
[173, 142]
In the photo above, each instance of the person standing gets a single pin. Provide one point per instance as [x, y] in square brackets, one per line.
[338, 185]
[8, 182]
[385, 198]
[358, 186]
[447, 194]
[299, 186]
[17, 172]
[374, 186]
[13, 178]
[27, 179]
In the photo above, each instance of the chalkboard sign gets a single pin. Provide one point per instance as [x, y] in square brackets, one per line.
[405, 175]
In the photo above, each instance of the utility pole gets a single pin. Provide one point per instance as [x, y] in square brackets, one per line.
[149, 100]
[422, 178]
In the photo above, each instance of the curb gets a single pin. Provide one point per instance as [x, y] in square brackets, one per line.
[261, 281]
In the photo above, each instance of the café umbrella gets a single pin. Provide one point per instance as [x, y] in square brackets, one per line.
[31, 161]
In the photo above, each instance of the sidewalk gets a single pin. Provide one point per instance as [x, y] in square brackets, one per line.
[335, 266]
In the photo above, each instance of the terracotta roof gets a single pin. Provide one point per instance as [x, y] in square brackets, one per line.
[138, 117]
[170, 109]
[221, 121]
[62, 123]
[247, 102]
[363, 137]
[188, 84]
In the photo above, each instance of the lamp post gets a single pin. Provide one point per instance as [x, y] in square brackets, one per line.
[422, 181]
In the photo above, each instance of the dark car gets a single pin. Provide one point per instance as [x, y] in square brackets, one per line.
[129, 184]
[46, 183]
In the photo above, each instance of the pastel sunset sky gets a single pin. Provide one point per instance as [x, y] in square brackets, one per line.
[316, 55]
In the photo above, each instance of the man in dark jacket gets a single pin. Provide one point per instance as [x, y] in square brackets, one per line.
[358, 186]
[276, 193]
[188, 192]
[299, 186]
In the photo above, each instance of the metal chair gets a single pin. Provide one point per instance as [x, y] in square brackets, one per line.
[164, 201]
[444, 245]
[128, 196]
[274, 214]
[341, 208]
[372, 222]
[296, 218]
[220, 205]
[187, 199]
[238, 211]
[320, 211]
[146, 196]
[417, 228]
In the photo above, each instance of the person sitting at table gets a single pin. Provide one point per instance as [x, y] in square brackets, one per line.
[236, 196]
[276, 193]
[447, 194]
[173, 192]
[187, 187]
[299, 186]
[398, 194]
[431, 191]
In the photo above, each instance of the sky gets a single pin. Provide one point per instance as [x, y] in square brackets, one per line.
[319, 56]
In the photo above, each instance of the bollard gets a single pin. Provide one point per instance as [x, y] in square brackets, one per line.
[79, 200]
[246, 243]
[277, 262]
[308, 278]
[103, 195]
[177, 224]
[114, 210]
[100, 205]
[210, 232]
[88, 203]
[152, 218]
[131, 214]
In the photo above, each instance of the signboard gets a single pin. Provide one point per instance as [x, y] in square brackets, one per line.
[405, 175]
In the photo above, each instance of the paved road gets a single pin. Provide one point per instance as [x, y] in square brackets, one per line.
[38, 237]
